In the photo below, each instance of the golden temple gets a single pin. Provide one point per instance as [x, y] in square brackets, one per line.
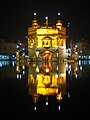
[46, 42]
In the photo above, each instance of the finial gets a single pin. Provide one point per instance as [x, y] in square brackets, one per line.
[46, 20]
[34, 13]
[58, 14]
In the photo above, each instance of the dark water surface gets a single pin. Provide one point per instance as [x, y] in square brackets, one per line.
[38, 90]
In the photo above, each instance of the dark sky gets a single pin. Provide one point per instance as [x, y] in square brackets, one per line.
[16, 16]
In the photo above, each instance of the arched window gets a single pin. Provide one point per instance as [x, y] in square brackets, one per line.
[46, 42]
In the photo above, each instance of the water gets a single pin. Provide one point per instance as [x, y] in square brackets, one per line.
[57, 89]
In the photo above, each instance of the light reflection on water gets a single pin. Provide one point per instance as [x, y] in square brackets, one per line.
[48, 86]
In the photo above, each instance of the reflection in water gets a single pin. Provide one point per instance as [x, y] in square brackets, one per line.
[45, 79]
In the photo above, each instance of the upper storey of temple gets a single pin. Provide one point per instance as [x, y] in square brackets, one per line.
[46, 29]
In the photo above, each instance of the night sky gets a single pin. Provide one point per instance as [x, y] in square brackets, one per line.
[16, 17]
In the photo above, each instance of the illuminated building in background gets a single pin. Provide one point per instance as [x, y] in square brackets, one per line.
[46, 42]
[7, 50]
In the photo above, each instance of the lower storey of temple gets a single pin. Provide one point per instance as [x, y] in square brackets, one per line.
[50, 54]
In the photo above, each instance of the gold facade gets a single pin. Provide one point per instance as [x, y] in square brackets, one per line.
[46, 38]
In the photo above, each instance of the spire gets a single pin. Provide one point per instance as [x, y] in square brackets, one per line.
[46, 20]
[59, 22]
[59, 15]
[34, 14]
[35, 21]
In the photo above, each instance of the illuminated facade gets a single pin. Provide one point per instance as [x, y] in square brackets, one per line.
[46, 42]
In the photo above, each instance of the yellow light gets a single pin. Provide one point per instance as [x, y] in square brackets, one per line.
[47, 70]
[59, 97]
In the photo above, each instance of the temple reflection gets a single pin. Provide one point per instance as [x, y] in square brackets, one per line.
[45, 79]
[44, 86]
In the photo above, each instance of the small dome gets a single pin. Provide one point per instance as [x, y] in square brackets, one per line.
[35, 22]
[59, 23]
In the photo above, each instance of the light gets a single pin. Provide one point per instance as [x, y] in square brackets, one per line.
[34, 14]
[76, 46]
[23, 72]
[68, 24]
[13, 63]
[17, 76]
[79, 62]
[47, 70]
[68, 95]
[20, 43]
[37, 53]
[69, 72]
[46, 17]
[13, 55]
[59, 107]
[56, 75]
[17, 46]
[76, 68]
[80, 67]
[46, 102]
[76, 76]
[0, 64]
[35, 108]
[58, 13]
[23, 49]
[20, 76]
[37, 69]
[23, 67]
[47, 51]
[57, 67]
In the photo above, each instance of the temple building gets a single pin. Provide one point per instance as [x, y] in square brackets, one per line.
[46, 42]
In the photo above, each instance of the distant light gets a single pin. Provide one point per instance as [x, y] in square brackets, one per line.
[68, 95]
[35, 108]
[80, 67]
[46, 103]
[68, 24]
[46, 18]
[34, 14]
[59, 107]
[58, 13]
[69, 72]
[47, 70]
[17, 46]
[23, 67]
[56, 75]
[23, 49]
[23, 72]
[13, 55]
[79, 61]
[76, 68]
[57, 67]
[13, 63]
[20, 76]
[76, 76]
[76, 46]
[17, 76]
[20, 43]
[37, 69]
[0, 64]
